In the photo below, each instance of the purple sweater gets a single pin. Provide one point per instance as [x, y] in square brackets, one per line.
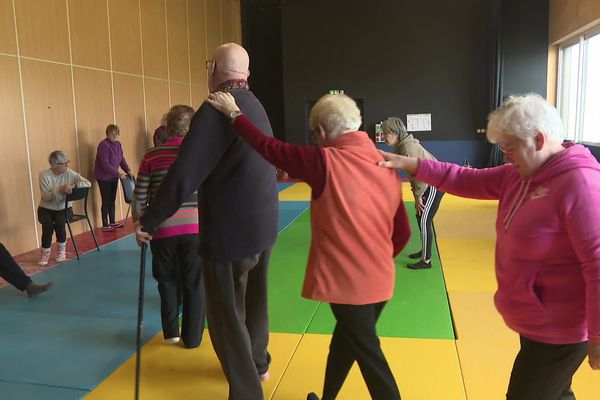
[109, 157]
[548, 241]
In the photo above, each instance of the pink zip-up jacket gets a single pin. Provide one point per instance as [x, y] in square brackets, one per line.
[548, 241]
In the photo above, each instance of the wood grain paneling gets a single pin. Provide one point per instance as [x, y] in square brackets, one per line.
[48, 99]
[199, 93]
[154, 38]
[180, 93]
[89, 33]
[227, 20]
[17, 230]
[125, 37]
[179, 64]
[197, 29]
[213, 26]
[93, 97]
[42, 29]
[237, 22]
[129, 107]
[8, 40]
[157, 104]
[570, 16]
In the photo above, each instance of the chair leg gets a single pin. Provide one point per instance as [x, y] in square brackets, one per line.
[93, 234]
[73, 239]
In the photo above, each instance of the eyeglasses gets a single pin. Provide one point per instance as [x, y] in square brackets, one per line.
[63, 163]
[209, 64]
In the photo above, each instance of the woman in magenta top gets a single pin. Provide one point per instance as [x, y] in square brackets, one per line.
[358, 224]
[109, 157]
[548, 241]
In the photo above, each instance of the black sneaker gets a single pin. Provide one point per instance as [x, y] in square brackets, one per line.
[416, 255]
[312, 396]
[420, 265]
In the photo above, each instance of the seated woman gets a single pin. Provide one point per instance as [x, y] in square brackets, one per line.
[13, 274]
[351, 260]
[55, 183]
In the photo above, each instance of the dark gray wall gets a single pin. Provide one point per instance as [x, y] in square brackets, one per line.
[401, 57]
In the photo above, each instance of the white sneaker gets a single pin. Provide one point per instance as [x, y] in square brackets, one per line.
[44, 256]
[62, 252]
[172, 340]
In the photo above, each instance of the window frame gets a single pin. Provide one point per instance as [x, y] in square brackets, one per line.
[581, 80]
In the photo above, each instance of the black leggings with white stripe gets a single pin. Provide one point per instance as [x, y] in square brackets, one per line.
[431, 198]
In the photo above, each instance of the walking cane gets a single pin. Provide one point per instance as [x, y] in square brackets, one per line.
[140, 321]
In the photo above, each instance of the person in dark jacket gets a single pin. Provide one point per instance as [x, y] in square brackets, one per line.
[109, 157]
[237, 193]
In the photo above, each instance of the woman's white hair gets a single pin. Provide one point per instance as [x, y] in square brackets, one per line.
[524, 116]
[337, 114]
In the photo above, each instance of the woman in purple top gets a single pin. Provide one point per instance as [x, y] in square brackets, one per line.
[109, 157]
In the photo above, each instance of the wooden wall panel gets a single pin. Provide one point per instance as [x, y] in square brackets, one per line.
[179, 64]
[49, 111]
[129, 108]
[125, 37]
[180, 94]
[17, 230]
[42, 29]
[89, 33]
[199, 94]
[213, 26]
[93, 97]
[227, 21]
[8, 40]
[237, 21]
[154, 38]
[197, 32]
[567, 17]
[157, 104]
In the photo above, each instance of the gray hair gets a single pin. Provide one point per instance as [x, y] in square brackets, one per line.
[395, 126]
[524, 116]
[57, 157]
[337, 114]
[178, 120]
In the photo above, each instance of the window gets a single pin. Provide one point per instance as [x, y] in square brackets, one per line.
[579, 87]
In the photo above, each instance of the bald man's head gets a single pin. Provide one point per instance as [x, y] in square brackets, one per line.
[231, 61]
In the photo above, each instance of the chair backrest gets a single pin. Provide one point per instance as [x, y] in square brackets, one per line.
[128, 184]
[78, 193]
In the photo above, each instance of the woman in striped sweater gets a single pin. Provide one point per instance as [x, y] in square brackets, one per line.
[174, 244]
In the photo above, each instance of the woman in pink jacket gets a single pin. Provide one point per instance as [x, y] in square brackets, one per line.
[548, 241]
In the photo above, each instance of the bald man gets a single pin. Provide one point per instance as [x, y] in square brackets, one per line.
[238, 204]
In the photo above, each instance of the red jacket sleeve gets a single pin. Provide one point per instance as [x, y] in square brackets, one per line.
[300, 161]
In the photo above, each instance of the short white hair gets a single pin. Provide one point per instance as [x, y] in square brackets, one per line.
[336, 113]
[524, 116]
[57, 157]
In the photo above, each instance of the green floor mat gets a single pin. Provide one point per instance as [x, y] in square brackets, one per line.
[419, 308]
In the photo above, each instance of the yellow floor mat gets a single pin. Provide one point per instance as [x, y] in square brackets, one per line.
[297, 192]
[173, 372]
[423, 368]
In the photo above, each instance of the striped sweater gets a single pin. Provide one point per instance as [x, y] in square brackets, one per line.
[153, 169]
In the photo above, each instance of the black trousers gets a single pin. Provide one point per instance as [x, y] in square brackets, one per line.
[177, 268]
[238, 322]
[355, 339]
[52, 221]
[108, 193]
[544, 371]
[431, 198]
[11, 271]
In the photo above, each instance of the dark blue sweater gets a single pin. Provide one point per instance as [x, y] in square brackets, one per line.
[237, 189]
